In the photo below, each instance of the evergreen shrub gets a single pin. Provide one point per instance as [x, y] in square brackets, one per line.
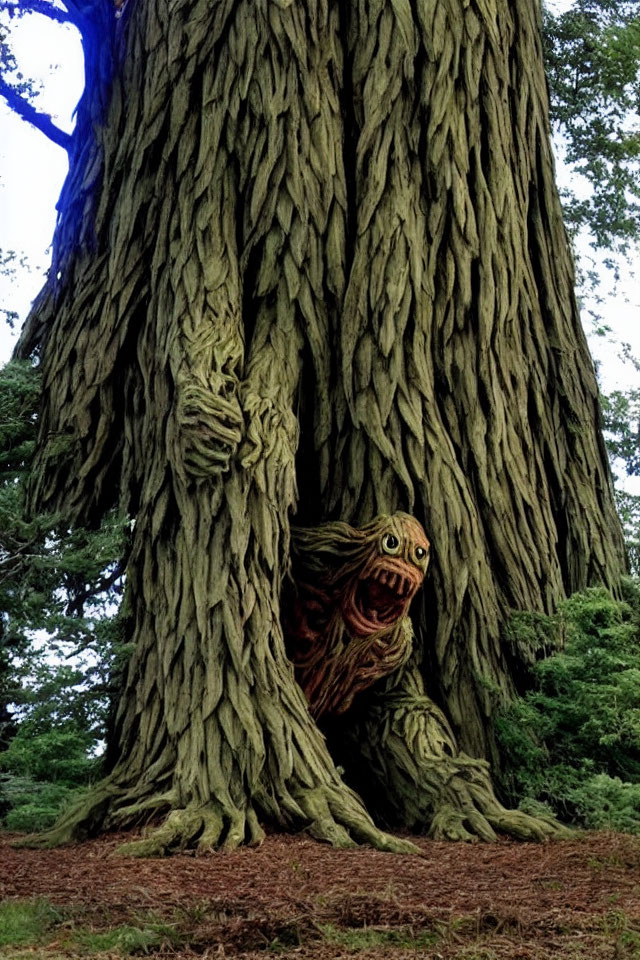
[571, 744]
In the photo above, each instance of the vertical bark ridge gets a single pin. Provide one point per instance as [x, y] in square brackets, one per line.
[238, 183]
[396, 451]
[465, 370]
[244, 210]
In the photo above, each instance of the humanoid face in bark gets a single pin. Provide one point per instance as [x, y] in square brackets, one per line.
[345, 620]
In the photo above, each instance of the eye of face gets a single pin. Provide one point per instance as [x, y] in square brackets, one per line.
[390, 544]
[420, 553]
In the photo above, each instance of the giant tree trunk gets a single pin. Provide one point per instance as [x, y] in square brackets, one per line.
[467, 395]
[340, 219]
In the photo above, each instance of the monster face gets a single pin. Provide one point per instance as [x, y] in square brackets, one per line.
[380, 594]
[345, 619]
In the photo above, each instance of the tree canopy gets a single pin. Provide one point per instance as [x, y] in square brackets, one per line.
[592, 53]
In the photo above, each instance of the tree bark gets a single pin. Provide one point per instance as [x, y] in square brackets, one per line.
[312, 253]
[467, 394]
[401, 756]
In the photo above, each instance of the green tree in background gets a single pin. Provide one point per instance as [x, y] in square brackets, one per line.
[622, 433]
[62, 586]
[573, 742]
[592, 54]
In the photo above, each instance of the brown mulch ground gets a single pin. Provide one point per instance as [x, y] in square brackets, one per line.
[577, 899]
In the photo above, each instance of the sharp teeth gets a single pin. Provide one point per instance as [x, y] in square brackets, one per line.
[383, 576]
[392, 580]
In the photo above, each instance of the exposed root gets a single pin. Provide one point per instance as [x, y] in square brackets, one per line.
[466, 808]
[465, 812]
[522, 826]
[402, 757]
[207, 828]
[126, 811]
[338, 817]
[334, 813]
[450, 823]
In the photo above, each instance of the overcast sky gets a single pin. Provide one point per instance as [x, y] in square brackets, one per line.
[32, 170]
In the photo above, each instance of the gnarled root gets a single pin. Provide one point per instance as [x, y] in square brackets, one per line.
[333, 814]
[466, 808]
[205, 828]
[330, 812]
[337, 817]
[402, 757]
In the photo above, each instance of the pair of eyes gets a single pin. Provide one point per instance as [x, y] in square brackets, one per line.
[391, 545]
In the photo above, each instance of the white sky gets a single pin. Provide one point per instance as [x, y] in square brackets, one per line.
[32, 170]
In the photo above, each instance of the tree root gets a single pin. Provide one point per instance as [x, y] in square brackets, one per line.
[335, 815]
[402, 758]
[467, 809]
[338, 817]
[207, 828]
[331, 813]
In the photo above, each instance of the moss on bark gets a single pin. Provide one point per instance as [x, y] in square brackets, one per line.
[335, 220]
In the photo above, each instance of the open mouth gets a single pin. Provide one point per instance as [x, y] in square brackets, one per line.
[378, 601]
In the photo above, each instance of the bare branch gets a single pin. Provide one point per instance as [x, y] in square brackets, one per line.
[41, 121]
[76, 604]
[38, 6]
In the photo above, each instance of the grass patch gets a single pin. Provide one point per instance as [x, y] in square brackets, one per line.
[26, 922]
[126, 940]
[33, 953]
[363, 938]
[31, 924]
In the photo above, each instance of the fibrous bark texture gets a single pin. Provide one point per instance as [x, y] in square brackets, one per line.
[402, 757]
[311, 253]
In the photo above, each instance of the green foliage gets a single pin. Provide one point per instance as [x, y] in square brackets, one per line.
[529, 635]
[45, 765]
[19, 392]
[593, 69]
[621, 423]
[61, 647]
[573, 741]
[621, 413]
[629, 512]
[26, 922]
[19, 388]
[56, 755]
[33, 806]
[608, 803]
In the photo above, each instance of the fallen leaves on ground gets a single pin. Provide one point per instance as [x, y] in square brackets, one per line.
[577, 899]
